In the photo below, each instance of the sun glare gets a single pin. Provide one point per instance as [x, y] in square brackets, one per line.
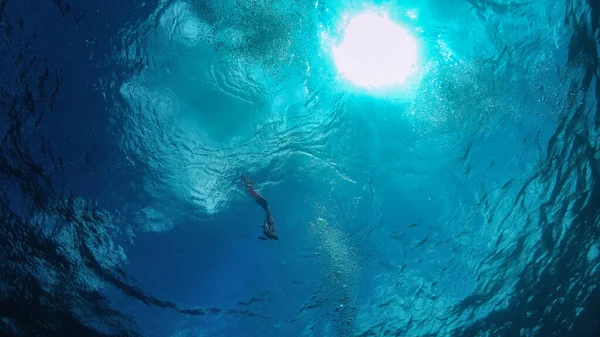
[375, 52]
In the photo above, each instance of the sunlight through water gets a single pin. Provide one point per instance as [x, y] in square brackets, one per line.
[375, 52]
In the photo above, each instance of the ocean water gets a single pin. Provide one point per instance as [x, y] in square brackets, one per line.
[466, 203]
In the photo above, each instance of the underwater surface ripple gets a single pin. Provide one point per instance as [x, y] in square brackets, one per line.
[468, 205]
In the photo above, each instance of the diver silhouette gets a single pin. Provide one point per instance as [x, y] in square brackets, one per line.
[269, 229]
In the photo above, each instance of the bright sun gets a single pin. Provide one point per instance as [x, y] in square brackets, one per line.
[375, 52]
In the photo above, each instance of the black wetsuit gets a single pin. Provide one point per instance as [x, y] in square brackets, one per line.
[269, 229]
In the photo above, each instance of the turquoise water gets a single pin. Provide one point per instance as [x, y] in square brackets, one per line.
[463, 202]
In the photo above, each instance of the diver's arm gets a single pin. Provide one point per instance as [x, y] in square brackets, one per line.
[257, 197]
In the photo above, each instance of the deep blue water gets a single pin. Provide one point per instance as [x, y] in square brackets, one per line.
[466, 204]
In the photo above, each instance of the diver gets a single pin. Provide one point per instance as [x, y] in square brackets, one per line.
[269, 229]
